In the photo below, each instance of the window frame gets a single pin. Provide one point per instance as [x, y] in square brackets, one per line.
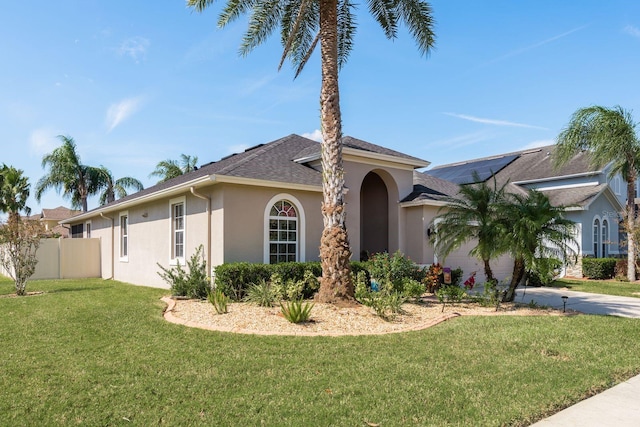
[301, 226]
[87, 229]
[173, 232]
[595, 236]
[604, 237]
[124, 233]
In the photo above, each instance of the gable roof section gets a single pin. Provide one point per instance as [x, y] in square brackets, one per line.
[276, 163]
[428, 189]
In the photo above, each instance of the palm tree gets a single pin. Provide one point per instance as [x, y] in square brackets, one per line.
[113, 188]
[14, 192]
[168, 169]
[69, 175]
[303, 24]
[609, 135]
[474, 215]
[535, 229]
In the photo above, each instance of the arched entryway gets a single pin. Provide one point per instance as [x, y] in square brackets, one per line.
[374, 215]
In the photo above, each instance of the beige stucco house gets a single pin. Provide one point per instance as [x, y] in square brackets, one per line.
[50, 220]
[263, 205]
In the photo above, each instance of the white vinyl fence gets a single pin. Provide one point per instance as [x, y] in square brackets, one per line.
[67, 259]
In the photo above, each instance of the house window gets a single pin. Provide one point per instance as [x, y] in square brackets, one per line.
[283, 232]
[177, 229]
[605, 238]
[77, 231]
[124, 236]
[88, 229]
[596, 237]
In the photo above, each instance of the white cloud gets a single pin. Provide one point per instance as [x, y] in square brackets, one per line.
[43, 141]
[135, 47]
[632, 31]
[316, 135]
[463, 140]
[249, 87]
[493, 121]
[121, 111]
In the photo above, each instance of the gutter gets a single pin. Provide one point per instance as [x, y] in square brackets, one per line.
[208, 200]
[112, 244]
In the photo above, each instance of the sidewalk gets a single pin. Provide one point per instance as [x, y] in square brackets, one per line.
[618, 406]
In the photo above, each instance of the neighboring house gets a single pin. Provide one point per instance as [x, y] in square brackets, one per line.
[592, 201]
[263, 205]
[50, 219]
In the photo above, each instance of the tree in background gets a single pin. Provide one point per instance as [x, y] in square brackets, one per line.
[115, 188]
[19, 239]
[303, 24]
[534, 229]
[609, 135]
[474, 215]
[68, 175]
[168, 169]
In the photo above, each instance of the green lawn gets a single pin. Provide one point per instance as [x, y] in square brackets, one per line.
[607, 287]
[96, 352]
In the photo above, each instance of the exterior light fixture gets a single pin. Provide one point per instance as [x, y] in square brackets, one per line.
[564, 303]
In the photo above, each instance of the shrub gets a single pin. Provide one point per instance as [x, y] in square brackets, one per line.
[393, 269]
[193, 282]
[261, 294]
[598, 268]
[295, 311]
[450, 293]
[411, 288]
[434, 277]
[219, 301]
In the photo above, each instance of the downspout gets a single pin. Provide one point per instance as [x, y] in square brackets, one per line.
[208, 250]
[112, 244]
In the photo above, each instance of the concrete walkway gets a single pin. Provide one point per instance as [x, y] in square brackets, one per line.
[618, 406]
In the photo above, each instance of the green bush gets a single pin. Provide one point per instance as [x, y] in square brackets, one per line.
[261, 294]
[219, 301]
[295, 311]
[451, 294]
[599, 268]
[393, 269]
[193, 282]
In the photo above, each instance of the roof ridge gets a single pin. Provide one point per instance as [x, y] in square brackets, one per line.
[253, 154]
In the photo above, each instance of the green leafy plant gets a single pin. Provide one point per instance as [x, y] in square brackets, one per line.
[599, 268]
[412, 288]
[295, 311]
[219, 301]
[261, 294]
[192, 282]
[451, 294]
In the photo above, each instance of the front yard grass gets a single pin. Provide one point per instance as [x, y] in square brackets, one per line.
[96, 352]
[607, 287]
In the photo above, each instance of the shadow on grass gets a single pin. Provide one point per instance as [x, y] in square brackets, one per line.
[79, 288]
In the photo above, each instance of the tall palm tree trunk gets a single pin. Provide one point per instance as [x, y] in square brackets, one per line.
[516, 278]
[335, 254]
[631, 216]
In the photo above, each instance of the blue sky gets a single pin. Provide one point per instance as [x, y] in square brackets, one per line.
[134, 84]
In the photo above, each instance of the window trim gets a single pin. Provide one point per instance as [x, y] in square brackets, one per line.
[301, 255]
[87, 229]
[596, 234]
[124, 257]
[173, 260]
[604, 237]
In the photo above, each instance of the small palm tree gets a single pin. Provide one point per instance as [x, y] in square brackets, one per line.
[68, 175]
[116, 188]
[168, 169]
[533, 229]
[609, 135]
[14, 192]
[330, 23]
[474, 215]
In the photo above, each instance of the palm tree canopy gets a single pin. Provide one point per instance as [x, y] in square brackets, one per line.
[68, 175]
[299, 22]
[472, 216]
[14, 190]
[113, 189]
[169, 169]
[609, 134]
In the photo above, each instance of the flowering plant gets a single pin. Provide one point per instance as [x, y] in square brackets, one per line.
[468, 284]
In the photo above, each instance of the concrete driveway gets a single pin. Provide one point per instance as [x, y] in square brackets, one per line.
[581, 301]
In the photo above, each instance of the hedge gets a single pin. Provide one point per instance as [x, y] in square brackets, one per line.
[599, 268]
[234, 278]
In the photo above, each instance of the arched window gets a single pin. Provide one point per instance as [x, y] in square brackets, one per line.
[283, 232]
[605, 238]
[596, 237]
